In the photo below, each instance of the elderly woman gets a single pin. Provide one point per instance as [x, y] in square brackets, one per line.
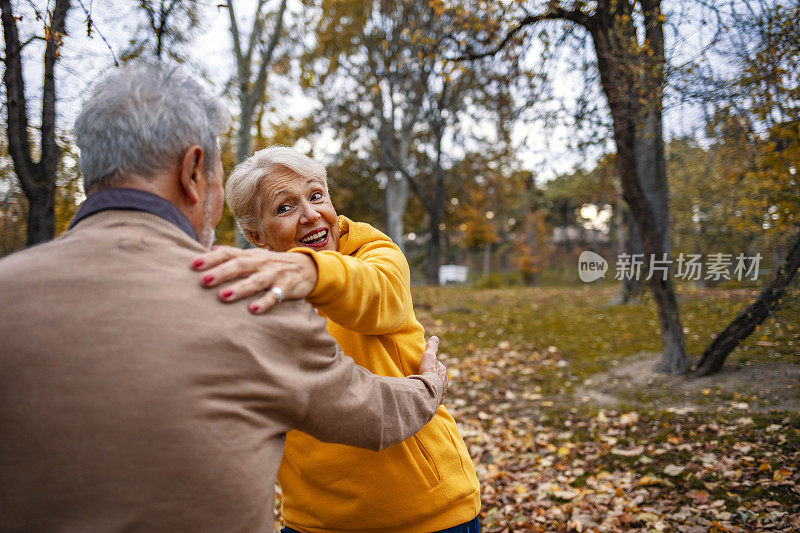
[359, 279]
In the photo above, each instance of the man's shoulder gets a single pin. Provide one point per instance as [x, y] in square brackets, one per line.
[82, 252]
[28, 259]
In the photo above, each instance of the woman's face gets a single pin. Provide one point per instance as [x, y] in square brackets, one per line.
[297, 211]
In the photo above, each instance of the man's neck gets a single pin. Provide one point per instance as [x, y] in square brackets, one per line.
[129, 198]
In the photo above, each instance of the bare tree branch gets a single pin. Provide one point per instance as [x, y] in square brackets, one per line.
[237, 47]
[556, 13]
[269, 51]
[30, 40]
[89, 26]
[50, 150]
[255, 35]
[17, 116]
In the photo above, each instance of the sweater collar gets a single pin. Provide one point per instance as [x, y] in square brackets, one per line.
[137, 200]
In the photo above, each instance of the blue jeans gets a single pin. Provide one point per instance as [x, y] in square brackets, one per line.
[467, 527]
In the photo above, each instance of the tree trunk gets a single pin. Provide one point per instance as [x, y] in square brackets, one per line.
[636, 110]
[651, 170]
[244, 141]
[434, 247]
[395, 148]
[396, 201]
[435, 212]
[251, 89]
[37, 179]
[505, 262]
[531, 225]
[631, 244]
[41, 217]
[244, 134]
[754, 314]
[674, 358]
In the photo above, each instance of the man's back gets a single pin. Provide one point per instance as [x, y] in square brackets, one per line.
[116, 414]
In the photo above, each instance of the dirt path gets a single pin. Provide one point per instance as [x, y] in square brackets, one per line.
[756, 386]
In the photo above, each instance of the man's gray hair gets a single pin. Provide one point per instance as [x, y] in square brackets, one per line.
[243, 188]
[141, 119]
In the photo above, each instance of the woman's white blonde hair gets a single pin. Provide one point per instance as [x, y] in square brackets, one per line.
[243, 189]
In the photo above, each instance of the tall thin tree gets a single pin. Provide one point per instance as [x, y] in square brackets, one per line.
[37, 178]
[628, 41]
[252, 64]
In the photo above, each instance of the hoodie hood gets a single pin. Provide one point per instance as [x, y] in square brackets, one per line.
[353, 235]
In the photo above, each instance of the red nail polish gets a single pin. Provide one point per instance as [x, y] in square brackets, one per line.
[197, 263]
[254, 308]
[208, 278]
[227, 293]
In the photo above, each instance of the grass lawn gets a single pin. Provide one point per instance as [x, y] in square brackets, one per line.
[666, 455]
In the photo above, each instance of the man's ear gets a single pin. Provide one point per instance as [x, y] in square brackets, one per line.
[191, 168]
[255, 237]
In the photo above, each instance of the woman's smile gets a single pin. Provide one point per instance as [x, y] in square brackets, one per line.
[317, 238]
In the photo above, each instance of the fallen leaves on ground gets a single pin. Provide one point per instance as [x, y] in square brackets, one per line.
[548, 466]
[550, 462]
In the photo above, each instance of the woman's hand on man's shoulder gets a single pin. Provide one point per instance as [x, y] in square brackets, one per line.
[271, 276]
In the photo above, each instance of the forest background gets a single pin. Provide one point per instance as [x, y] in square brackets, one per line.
[510, 137]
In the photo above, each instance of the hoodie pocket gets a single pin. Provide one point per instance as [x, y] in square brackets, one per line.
[423, 461]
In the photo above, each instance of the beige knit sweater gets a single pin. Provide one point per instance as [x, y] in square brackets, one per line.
[131, 399]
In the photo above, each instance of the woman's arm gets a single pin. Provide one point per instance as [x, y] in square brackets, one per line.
[369, 294]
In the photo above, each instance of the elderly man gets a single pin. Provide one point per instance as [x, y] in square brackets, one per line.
[129, 400]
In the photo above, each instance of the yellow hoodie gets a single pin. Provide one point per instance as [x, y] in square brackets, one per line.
[423, 484]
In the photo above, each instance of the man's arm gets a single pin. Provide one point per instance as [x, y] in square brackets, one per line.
[322, 392]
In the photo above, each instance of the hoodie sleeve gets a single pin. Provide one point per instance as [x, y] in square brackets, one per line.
[368, 292]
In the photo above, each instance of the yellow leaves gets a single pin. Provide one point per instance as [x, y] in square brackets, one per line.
[648, 481]
[646, 517]
[716, 526]
[781, 474]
